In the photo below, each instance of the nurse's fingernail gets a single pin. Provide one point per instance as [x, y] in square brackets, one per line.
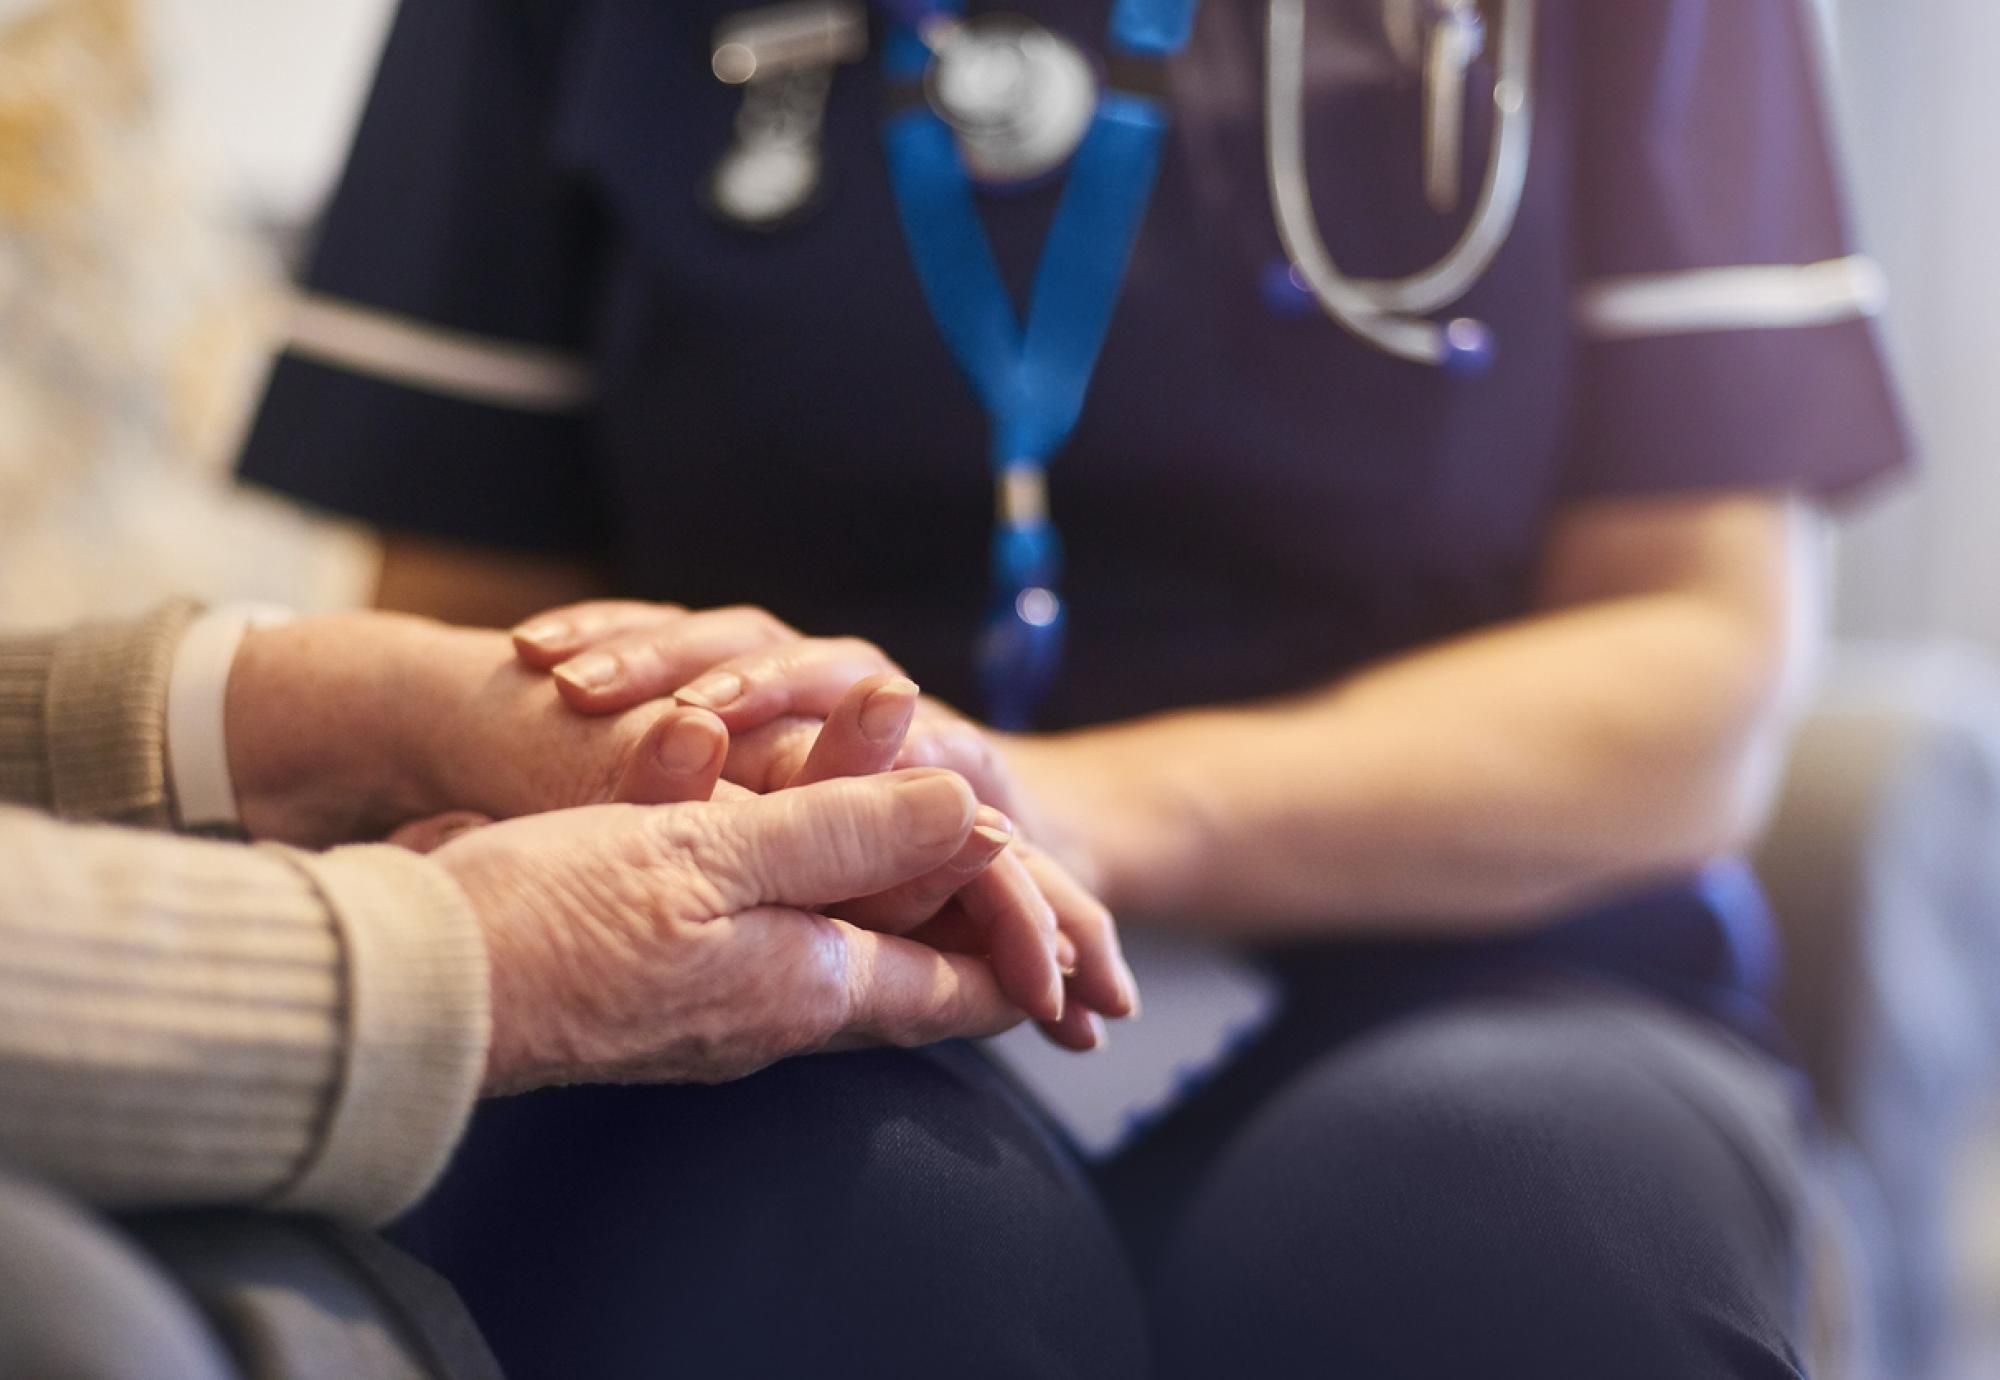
[886, 712]
[1099, 1036]
[543, 634]
[1128, 988]
[717, 690]
[592, 671]
[1056, 998]
[687, 747]
[1066, 955]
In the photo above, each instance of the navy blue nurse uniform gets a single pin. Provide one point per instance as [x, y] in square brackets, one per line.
[521, 327]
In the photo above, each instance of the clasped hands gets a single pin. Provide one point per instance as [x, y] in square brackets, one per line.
[718, 843]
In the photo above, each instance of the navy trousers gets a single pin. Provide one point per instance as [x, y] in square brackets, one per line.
[1541, 1177]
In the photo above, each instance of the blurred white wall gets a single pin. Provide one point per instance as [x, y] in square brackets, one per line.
[137, 309]
[271, 89]
[1924, 138]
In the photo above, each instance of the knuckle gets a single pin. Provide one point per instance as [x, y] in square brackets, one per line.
[759, 622]
[860, 649]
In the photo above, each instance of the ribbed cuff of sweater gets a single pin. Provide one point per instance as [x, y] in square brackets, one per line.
[25, 659]
[105, 718]
[417, 1032]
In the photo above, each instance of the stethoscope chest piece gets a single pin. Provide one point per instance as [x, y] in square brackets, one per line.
[1018, 97]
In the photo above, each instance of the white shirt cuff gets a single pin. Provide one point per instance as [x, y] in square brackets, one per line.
[197, 697]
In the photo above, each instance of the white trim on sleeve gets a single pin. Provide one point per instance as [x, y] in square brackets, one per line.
[197, 695]
[415, 354]
[1747, 298]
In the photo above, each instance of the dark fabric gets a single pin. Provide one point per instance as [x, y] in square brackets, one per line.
[453, 214]
[1524, 1173]
[1540, 1177]
[869, 1215]
[473, 481]
[78, 1301]
[1709, 147]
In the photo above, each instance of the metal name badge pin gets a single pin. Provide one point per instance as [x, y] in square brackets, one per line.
[783, 57]
[1018, 97]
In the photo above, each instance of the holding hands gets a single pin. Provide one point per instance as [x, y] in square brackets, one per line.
[677, 891]
[773, 689]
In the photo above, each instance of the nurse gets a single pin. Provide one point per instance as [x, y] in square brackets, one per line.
[1449, 699]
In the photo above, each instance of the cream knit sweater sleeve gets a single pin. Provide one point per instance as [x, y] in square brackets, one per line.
[186, 1022]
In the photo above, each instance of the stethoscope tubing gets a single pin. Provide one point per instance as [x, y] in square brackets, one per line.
[1388, 313]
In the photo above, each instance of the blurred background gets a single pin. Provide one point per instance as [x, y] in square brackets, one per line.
[164, 209]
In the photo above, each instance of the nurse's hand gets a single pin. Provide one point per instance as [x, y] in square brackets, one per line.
[772, 687]
[692, 943]
[770, 684]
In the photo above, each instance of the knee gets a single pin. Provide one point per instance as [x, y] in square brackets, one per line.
[78, 1301]
[900, 1207]
[1489, 1180]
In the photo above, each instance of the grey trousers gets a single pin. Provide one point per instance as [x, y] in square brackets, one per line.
[216, 1296]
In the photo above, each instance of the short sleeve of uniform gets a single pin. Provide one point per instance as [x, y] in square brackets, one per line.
[436, 377]
[1724, 317]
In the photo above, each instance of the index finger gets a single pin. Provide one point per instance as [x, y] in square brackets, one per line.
[555, 635]
[864, 733]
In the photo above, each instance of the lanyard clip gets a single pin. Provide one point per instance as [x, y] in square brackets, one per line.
[782, 56]
[1021, 645]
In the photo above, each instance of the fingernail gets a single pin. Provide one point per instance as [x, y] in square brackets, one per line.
[1057, 996]
[1100, 1036]
[543, 633]
[887, 711]
[687, 747]
[716, 690]
[1066, 955]
[592, 671]
[1128, 987]
[930, 809]
[990, 823]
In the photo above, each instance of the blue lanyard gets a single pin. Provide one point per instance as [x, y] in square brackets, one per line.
[1031, 380]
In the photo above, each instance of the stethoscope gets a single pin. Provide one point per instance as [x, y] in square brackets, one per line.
[1393, 314]
[995, 101]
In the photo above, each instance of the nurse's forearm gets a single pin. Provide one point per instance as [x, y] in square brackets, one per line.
[1627, 733]
[1484, 781]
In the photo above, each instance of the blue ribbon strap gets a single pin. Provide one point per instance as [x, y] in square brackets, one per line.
[1031, 381]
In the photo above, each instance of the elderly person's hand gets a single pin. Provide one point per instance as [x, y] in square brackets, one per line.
[772, 687]
[691, 943]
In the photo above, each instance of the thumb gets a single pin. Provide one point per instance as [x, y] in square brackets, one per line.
[814, 845]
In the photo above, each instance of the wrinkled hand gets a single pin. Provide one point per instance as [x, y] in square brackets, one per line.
[772, 687]
[691, 943]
